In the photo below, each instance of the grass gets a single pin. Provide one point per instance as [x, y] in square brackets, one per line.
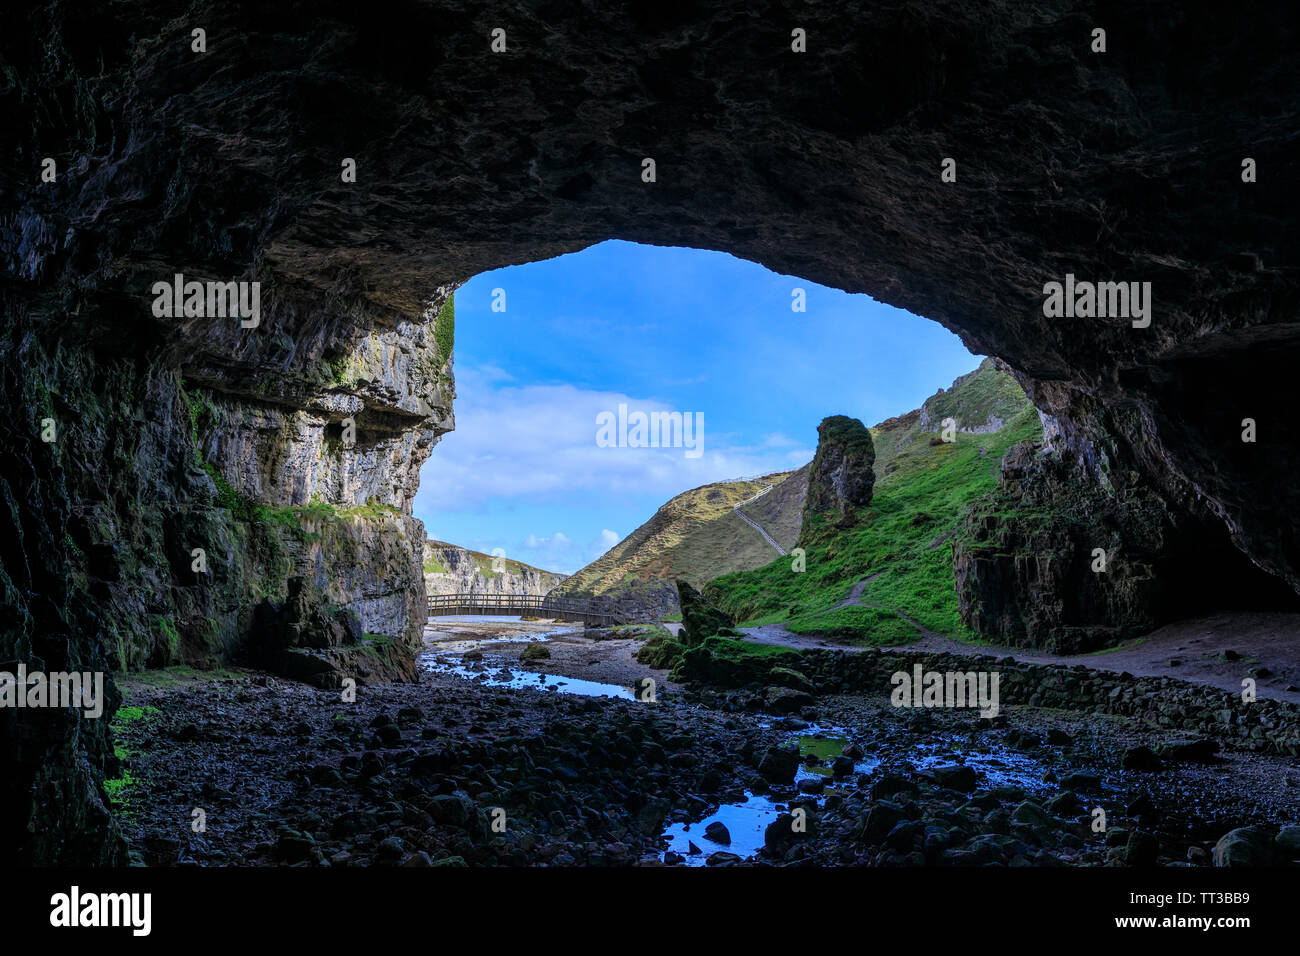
[974, 397]
[859, 625]
[692, 536]
[903, 537]
[444, 328]
[119, 789]
[734, 649]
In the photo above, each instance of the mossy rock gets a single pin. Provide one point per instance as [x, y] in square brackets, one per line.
[789, 677]
[723, 662]
[700, 619]
[661, 653]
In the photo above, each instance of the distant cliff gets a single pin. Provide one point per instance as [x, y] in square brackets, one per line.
[449, 569]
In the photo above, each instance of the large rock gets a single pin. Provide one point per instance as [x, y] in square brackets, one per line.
[841, 477]
[700, 619]
[1247, 846]
[306, 639]
[786, 700]
[779, 764]
[1056, 560]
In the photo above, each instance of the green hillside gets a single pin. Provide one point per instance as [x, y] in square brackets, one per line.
[694, 536]
[902, 541]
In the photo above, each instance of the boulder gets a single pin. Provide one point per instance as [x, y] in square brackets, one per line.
[717, 832]
[700, 619]
[957, 777]
[1247, 846]
[1141, 758]
[841, 477]
[779, 764]
[783, 700]
[1195, 751]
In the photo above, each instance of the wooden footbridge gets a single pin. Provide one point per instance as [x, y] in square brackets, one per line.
[525, 605]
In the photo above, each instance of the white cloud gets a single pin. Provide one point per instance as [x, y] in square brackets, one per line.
[538, 443]
[557, 540]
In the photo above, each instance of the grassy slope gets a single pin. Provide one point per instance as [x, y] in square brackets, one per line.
[903, 535]
[695, 536]
[977, 395]
[780, 511]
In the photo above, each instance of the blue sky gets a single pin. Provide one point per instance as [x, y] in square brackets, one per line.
[657, 329]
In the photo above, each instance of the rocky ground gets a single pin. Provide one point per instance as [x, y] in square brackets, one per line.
[450, 771]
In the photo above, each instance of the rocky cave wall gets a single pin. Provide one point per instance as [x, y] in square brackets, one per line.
[1124, 165]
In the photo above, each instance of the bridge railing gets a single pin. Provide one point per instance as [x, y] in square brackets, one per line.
[512, 603]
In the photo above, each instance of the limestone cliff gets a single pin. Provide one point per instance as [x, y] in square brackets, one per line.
[449, 569]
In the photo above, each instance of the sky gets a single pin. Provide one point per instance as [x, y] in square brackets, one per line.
[530, 470]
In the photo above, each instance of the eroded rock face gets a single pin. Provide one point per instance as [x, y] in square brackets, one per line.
[449, 569]
[700, 618]
[1048, 560]
[301, 637]
[841, 475]
[226, 165]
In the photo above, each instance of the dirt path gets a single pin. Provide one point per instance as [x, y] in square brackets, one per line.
[855, 593]
[1219, 650]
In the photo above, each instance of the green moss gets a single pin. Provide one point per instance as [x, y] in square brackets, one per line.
[178, 674]
[728, 662]
[169, 633]
[444, 328]
[661, 652]
[291, 518]
[119, 789]
[199, 406]
[126, 714]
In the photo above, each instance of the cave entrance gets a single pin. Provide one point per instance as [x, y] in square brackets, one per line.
[556, 359]
[594, 387]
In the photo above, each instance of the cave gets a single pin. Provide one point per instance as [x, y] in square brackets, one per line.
[225, 165]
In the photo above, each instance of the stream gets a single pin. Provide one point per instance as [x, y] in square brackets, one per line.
[496, 670]
[742, 822]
